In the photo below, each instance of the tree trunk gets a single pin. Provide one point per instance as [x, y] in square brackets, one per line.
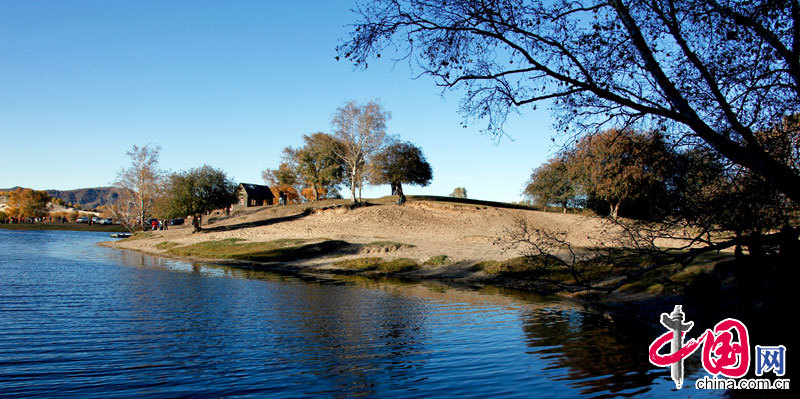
[316, 192]
[196, 220]
[401, 198]
[353, 186]
[614, 210]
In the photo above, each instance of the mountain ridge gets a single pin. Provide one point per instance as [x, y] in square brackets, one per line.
[88, 198]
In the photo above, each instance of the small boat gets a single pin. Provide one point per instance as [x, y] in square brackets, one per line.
[120, 235]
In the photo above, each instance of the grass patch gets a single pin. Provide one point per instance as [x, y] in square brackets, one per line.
[520, 266]
[398, 266]
[377, 264]
[164, 245]
[359, 264]
[438, 260]
[283, 250]
[139, 235]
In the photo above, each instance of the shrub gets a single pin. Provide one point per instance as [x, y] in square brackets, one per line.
[439, 260]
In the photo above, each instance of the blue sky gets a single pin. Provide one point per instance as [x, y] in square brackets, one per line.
[222, 83]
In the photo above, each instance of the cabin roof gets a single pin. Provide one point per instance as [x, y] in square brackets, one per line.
[257, 190]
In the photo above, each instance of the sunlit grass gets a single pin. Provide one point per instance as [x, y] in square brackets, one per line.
[379, 265]
[282, 250]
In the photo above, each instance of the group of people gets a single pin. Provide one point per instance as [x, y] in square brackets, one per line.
[283, 197]
[159, 224]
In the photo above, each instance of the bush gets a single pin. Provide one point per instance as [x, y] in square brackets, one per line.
[438, 260]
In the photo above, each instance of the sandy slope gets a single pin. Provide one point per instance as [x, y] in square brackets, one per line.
[463, 232]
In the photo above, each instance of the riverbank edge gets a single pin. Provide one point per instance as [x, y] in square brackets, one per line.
[63, 227]
[623, 304]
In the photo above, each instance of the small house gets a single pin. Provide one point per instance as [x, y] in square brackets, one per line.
[255, 195]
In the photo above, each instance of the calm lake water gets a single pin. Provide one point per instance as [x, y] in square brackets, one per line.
[78, 320]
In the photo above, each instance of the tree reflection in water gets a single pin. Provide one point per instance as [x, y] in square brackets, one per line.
[598, 352]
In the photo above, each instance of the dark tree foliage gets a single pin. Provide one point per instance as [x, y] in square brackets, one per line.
[711, 71]
[197, 191]
[401, 163]
[622, 167]
[551, 184]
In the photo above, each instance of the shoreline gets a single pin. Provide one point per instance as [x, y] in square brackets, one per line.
[641, 306]
[456, 275]
[423, 240]
[114, 228]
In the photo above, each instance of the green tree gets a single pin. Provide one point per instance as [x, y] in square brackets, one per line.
[316, 164]
[196, 192]
[25, 202]
[361, 133]
[400, 163]
[552, 183]
[716, 70]
[459, 192]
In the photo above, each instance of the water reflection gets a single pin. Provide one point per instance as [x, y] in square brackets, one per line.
[88, 321]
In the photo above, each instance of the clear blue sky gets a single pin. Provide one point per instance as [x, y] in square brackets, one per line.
[224, 83]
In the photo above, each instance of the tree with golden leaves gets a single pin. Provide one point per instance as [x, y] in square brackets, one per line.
[27, 203]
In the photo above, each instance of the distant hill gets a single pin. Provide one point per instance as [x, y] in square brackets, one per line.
[88, 198]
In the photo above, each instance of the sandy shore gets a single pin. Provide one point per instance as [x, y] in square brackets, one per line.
[465, 233]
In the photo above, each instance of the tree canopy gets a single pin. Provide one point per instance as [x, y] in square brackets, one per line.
[316, 164]
[140, 186]
[361, 133]
[25, 202]
[714, 72]
[401, 163]
[196, 192]
[459, 192]
[551, 183]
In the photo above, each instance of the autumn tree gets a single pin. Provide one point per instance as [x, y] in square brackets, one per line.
[717, 71]
[459, 192]
[316, 164]
[552, 183]
[196, 192]
[283, 179]
[400, 163]
[27, 203]
[620, 165]
[361, 133]
[141, 184]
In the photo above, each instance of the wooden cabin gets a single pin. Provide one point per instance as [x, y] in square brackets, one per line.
[255, 195]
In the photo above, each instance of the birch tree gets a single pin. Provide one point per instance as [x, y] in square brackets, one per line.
[141, 181]
[361, 132]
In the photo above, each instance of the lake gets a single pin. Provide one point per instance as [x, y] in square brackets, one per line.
[79, 320]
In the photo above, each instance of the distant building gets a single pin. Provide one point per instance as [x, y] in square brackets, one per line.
[255, 195]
